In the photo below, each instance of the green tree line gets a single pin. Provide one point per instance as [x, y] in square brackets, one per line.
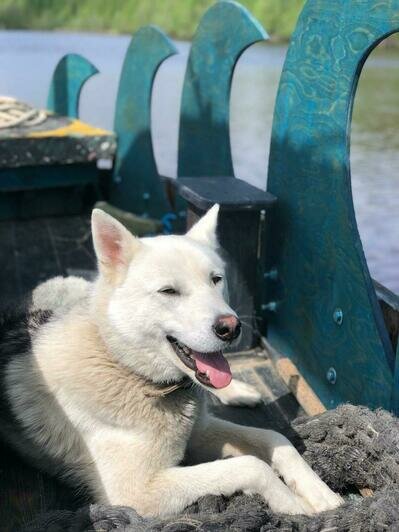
[179, 18]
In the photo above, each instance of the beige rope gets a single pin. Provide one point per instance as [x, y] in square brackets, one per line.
[14, 113]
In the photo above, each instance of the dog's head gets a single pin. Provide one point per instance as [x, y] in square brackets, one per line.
[165, 310]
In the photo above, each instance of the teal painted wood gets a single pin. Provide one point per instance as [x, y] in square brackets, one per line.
[224, 32]
[136, 185]
[53, 176]
[70, 74]
[313, 239]
[47, 190]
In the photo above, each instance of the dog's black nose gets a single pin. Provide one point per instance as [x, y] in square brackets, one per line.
[227, 327]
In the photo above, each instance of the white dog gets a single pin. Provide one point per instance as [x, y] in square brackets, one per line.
[100, 390]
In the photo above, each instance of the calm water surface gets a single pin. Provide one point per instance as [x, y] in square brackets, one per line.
[27, 60]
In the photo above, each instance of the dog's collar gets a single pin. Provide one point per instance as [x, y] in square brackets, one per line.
[160, 389]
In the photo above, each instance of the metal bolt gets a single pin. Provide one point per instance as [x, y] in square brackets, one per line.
[338, 316]
[146, 195]
[272, 274]
[331, 375]
[271, 306]
[118, 179]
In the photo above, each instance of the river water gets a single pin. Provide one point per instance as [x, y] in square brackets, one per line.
[27, 60]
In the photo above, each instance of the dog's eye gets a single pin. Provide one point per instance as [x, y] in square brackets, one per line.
[216, 279]
[169, 291]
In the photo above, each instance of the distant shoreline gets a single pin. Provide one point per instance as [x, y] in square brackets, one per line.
[178, 18]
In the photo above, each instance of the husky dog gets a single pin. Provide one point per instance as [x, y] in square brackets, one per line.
[60, 294]
[100, 390]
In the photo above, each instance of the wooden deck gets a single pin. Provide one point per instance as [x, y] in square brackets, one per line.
[35, 250]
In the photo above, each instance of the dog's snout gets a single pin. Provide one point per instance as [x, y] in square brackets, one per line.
[227, 327]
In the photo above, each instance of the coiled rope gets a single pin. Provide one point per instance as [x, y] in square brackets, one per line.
[15, 113]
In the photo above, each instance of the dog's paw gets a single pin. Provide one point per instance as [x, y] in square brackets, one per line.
[239, 393]
[286, 502]
[293, 506]
[324, 499]
[319, 496]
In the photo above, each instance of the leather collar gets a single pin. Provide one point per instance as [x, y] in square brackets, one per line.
[160, 389]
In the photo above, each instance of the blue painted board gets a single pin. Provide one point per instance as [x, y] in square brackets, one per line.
[313, 239]
[39, 191]
[224, 32]
[136, 184]
[52, 176]
[70, 74]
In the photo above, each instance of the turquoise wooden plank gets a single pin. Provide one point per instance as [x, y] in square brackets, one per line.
[47, 190]
[52, 176]
[44, 202]
[136, 185]
[70, 74]
[224, 32]
[327, 317]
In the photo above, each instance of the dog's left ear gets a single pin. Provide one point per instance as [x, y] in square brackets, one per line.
[113, 243]
[204, 230]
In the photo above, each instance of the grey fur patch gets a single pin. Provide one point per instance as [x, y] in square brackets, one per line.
[17, 328]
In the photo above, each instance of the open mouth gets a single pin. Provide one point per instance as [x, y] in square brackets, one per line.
[211, 369]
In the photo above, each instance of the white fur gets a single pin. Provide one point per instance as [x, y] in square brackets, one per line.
[87, 396]
[204, 230]
[238, 393]
[60, 294]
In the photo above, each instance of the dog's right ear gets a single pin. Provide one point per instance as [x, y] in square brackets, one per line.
[204, 230]
[113, 243]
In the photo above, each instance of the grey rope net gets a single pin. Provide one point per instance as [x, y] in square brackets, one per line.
[351, 448]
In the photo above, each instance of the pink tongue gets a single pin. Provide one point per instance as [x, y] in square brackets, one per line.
[216, 365]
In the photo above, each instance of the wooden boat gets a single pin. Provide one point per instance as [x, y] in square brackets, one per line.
[322, 331]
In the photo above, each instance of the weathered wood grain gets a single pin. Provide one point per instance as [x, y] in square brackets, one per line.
[58, 140]
[312, 239]
[35, 250]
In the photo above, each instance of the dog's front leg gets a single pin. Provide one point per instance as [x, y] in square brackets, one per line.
[129, 474]
[238, 393]
[215, 438]
[173, 489]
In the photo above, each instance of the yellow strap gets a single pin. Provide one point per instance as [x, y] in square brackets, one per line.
[76, 128]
